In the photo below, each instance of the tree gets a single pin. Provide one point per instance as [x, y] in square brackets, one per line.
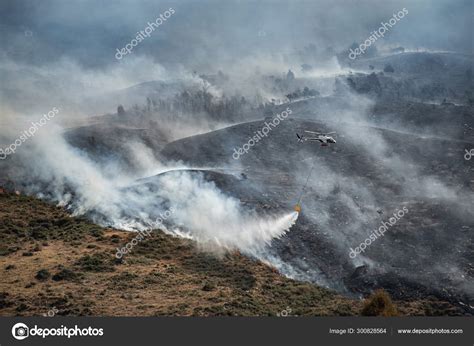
[290, 76]
[120, 110]
[388, 68]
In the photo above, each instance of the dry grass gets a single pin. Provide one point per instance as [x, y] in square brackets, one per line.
[379, 304]
[50, 260]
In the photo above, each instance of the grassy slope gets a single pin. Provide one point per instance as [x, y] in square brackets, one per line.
[51, 262]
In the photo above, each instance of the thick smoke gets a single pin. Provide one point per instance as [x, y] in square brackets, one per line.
[55, 170]
[61, 56]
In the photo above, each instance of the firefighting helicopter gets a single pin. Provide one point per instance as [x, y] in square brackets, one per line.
[324, 138]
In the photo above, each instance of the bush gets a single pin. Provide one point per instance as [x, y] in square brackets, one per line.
[208, 286]
[96, 263]
[42, 275]
[379, 304]
[388, 68]
[65, 274]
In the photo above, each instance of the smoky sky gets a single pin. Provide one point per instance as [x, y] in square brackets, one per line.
[202, 33]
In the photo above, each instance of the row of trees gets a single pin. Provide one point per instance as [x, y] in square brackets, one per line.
[202, 101]
[192, 104]
[306, 92]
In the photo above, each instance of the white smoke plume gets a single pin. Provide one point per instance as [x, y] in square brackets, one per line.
[201, 211]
